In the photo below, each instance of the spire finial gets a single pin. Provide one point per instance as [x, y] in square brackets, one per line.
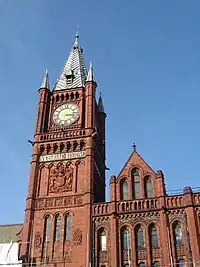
[45, 80]
[134, 147]
[90, 76]
[77, 35]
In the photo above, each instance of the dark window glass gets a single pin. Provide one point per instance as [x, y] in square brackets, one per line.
[139, 238]
[124, 190]
[154, 237]
[178, 235]
[47, 228]
[148, 188]
[142, 264]
[136, 184]
[125, 239]
[57, 228]
[67, 227]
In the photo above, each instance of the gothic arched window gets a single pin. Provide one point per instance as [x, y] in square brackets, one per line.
[57, 228]
[178, 234]
[67, 227]
[136, 184]
[148, 187]
[139, 238]
[103, 241]
[153, 236]
[47, 228]
[125, 239]
[124, 190]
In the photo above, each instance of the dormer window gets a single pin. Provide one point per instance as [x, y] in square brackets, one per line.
[69, 77]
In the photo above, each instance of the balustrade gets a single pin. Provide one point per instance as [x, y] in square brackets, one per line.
[137, 205]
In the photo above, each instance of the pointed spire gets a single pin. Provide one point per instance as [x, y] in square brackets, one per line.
[45, 80]
[90, 76]
[73, 74]
[100, 105]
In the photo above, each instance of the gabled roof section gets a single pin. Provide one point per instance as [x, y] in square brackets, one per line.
[74, 73]
[135, 160]
[8, 233]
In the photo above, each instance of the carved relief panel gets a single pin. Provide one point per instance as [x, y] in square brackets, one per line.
[61, 177]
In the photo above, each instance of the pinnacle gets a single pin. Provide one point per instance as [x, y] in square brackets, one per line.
[45, 81]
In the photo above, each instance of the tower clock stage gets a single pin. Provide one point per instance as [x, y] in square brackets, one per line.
[66, 114]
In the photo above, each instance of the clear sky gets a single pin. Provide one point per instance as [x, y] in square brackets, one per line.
[147, 65]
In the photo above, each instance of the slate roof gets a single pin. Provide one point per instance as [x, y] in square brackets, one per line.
[74, 73]
[8, 233]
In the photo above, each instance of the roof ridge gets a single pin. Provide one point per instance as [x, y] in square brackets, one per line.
[3, 225]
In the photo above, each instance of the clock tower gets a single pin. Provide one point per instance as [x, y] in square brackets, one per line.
[67, 173]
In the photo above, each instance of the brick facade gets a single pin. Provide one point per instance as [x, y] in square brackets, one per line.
[67, 221]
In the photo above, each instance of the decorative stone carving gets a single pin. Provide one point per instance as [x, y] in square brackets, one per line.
[134, 218]
[37, 240]
[68, 255]
[156, 253]
[103, 256]
[49, 203]
[78, 201]
[61, 178]
[102, 222]
[141, 254]
[68, 201]
[40, 203]
[127, 255]
[176, 216]
[77, 237]
[59, 202]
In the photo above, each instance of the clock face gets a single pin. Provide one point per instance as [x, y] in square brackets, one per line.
[66, 114]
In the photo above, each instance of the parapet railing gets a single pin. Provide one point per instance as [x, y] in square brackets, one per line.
[137, 205]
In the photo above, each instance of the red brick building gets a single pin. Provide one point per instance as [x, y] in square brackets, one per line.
[67, 221]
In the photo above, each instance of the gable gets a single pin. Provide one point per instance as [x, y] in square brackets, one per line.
[136, 161]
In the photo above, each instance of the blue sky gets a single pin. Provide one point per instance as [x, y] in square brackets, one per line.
[147, 64]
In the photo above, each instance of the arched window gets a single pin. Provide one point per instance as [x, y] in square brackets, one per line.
[47, 228]
[181, 263]
[125, 239]
[178, 234]
[139, 236]
[57, 228]
[124, 190]
[136, 184]
[67, 227]
[148, 187]
[153, 236]
[103, 245]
